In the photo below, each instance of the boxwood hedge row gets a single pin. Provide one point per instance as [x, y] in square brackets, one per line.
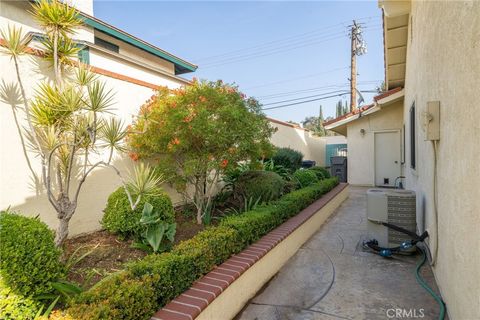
[146, 285]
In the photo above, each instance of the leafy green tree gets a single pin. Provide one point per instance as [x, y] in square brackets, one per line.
[197, 133]
[66, 118]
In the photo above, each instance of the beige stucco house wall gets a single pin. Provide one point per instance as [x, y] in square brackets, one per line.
[132, 73]
[360, 142]
[432, 50]
[443, 64]
[300, 139]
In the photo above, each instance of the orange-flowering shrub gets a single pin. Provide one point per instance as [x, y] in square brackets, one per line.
[198, 132]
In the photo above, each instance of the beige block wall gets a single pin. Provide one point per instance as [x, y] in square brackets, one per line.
[313, 148]
[16, 188]
[443, 64]
[361, 153]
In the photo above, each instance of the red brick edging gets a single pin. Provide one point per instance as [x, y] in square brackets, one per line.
[188, 305]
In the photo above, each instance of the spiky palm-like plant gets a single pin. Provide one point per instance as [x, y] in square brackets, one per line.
[68, 123]
[59, 21]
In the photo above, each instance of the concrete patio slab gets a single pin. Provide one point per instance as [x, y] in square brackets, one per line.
[332, 277]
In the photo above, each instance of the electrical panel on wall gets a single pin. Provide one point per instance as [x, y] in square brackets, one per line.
[432, 121]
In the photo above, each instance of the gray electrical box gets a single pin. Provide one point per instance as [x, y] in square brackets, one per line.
[338, 168]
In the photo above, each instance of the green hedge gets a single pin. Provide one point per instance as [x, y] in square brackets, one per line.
[257, 184]
[29, 259]
[321, 172]
[148, 284]
[305, 177]
[288, 158]
[119, 296]
[120, 219]
[15, 306]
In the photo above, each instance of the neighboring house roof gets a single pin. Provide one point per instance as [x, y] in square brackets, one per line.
[339, 124]
[287, 124]
[181, 66]
[387, 94]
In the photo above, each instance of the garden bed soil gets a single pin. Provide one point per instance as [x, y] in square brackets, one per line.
[108, 253]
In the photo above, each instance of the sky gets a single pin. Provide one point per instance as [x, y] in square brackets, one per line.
[280, 52]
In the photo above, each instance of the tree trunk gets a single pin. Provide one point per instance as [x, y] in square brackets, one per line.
[199, 215]
[66, 210]
[62, 231]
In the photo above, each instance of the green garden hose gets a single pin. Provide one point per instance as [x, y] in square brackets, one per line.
[422, 282]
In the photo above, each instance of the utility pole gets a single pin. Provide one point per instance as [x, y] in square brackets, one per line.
[358, 48]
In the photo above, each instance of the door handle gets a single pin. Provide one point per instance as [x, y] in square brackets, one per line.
[396, 161]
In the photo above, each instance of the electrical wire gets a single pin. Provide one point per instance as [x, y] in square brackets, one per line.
[301, 102]
[435, 204]
[281, 49]
[296, 78]
[267, 52]
[296, 36]
[338, 85]
[301, 98]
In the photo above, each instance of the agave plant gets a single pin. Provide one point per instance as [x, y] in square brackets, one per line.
[68, 127]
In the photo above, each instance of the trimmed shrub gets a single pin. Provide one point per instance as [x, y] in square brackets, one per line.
[29, 259]
[118, 296]
[321, 172]
[251, 225]
[14, 306]
[175, 274]
[148, 284]
[120, 219]
[288, 158]
[209, 247]
[305, 177]
[263, 185]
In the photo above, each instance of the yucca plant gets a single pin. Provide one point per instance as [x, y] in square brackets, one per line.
[69, 125]
[59, 21]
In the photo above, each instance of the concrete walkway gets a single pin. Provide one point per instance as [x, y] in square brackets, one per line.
[331, 277]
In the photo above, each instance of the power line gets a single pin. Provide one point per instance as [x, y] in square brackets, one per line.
[301, 102]
[296, 36]
[297, 78]
[281, 49]
[289, 93]
[301, 98]
[269, 52]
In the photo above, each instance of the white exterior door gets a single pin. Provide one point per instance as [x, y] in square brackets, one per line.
[387, 158]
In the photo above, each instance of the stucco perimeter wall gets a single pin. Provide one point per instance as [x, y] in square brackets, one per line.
[16, 188]
[313, 148]
[361, 153]
[443, 64]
